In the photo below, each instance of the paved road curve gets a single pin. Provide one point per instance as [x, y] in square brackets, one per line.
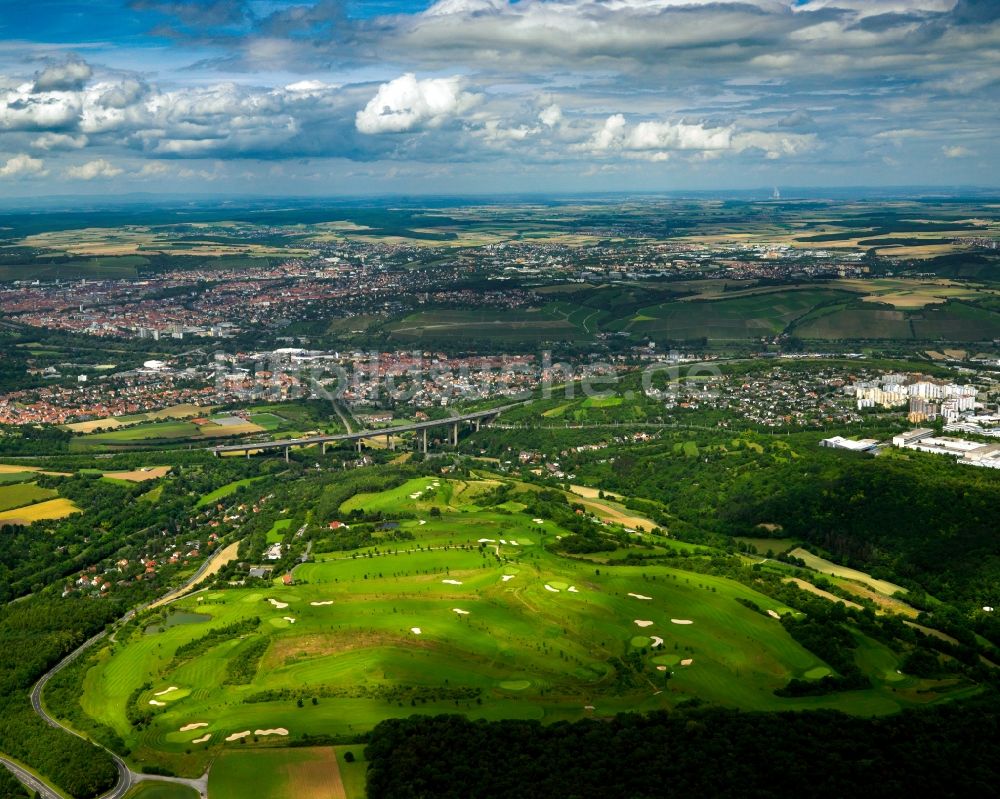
[126, 777]
[29, 780]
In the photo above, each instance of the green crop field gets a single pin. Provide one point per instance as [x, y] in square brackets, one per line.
[161, 790]
[302, 773]
[21, 494]
[144, 432]
[469, 611]
[9, 478]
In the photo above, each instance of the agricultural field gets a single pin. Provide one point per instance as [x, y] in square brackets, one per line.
[185, 411]
[169, 430]
[533, 325]
[468, 610]
[52, 509]
[301, 773]
[161, 790]
[747, 317]
[18, 495]
[947, 321]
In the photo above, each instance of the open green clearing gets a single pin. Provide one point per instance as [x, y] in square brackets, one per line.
[278, 530]
[376, 633]
[224, 491]
[21, 494]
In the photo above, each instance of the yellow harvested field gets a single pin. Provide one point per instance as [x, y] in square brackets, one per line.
[592, 493]
[114, 422]
[53, 509]
[610, 512]
[140, 475]
[212, 430]
[812, 589]
[316, 778]
[215, 562]
[825, 566]
[13, 468]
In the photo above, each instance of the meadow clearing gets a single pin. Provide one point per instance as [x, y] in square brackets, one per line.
[470, 611]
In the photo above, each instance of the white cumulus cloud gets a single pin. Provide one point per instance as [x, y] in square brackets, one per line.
[406, 104]
[99, 168]
[22, 165]
[71, 74]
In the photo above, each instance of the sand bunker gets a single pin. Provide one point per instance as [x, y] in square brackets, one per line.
[513, 543]
[656, 641]
[572, 589]
[422, 521]
[461, 612]
[681, 621]
[639, 596]
[550, 588]
[195, 726]
[643, 622]
[166, 690]
[507, 577]
[661, 668]
[157, 704]
[502, 541]
[452, 582]
[687, 661]
[275, 731]
[289, 619]
[416, 630]
[487, 541]
[237, 735]
[538, 521]
[277, 604]
[774, 614]
[320, 604]
[202, 739]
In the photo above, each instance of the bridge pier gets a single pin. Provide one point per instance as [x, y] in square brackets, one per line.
[424, 440]
[454, 434]
[390, 442]
[286, 454]
[359, 446]
[323, 444]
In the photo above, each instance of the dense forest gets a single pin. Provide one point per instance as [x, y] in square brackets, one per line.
[34, 635]
[943, 752]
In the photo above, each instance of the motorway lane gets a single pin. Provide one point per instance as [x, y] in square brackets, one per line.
[29, 780]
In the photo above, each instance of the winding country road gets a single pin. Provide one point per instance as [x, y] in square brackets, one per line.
[126, 777]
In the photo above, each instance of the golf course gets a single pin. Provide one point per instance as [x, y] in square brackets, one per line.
[471, 609]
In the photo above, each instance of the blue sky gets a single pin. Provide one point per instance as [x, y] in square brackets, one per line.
[455, 96]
